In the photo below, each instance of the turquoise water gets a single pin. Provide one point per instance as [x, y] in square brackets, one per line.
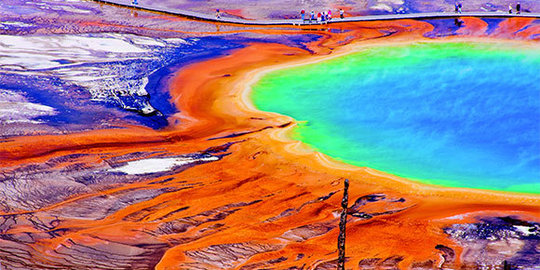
[451, 114]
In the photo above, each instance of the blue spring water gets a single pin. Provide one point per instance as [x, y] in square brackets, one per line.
[452, 114]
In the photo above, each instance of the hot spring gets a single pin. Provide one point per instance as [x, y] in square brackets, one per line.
[451, 114]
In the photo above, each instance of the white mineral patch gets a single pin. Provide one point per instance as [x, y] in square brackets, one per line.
[69, 42]
[386, 5]
[20, 121]
[147, 109]
[141, 90]
[14, 108]
[111, 44]
[153, 165]
[25, 60]
[456, 217]
[146, 41]
[18, 24]
[37, 52]
[394, 2]
[85, 74]
[382, 6]
[179, 40]
[524, 230]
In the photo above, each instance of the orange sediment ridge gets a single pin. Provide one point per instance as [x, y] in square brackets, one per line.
[270, 197]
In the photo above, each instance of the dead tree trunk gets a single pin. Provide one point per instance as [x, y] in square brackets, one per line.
[342, 225]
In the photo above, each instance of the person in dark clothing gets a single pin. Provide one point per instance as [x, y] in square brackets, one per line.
[456, 7]
[518, 8]
[341, 12]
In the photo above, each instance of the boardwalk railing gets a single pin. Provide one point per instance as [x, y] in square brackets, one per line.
[212, 18]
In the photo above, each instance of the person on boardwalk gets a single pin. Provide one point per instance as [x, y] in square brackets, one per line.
[326, 16]
[319, 17]
[329, 14]
[518, 8]
[459, 6]
[218, 15]
[510, 9]
[303, 15]
[312, 18]
[456, 7]
[341, 12]
[135, 2]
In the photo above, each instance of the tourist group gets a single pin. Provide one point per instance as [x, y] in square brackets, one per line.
[321, 17]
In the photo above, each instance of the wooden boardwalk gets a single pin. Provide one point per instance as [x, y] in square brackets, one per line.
[143, 5]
